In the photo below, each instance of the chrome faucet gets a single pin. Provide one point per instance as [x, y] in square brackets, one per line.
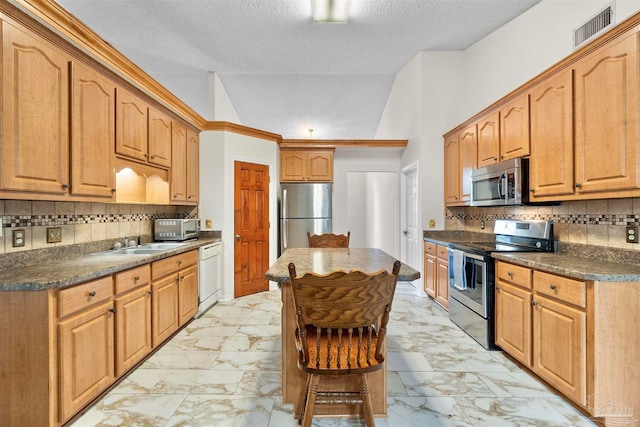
[126, 241]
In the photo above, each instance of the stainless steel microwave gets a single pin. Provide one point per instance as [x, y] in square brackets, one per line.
[176, 229]
[501, 184]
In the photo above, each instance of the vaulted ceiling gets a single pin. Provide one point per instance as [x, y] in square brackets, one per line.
[283, 72]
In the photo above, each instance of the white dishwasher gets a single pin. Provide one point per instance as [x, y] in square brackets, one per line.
[209, 276]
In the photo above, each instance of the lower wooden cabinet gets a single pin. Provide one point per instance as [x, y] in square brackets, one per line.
[513, 321]
[187, 294]
[436, 272]
[165, 309]
[133, 328]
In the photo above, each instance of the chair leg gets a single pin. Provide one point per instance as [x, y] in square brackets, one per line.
[366, 401]
[311, 400]
[302, 401]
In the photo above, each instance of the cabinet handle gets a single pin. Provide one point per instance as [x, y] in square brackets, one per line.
[146, 155]
[534, 302]
[495, 159]
[553, 287]
[501, 157]
[181, 278]
[65, 186]
[188, 197]
[112, 310]
[92, 293]
[113, 190]
[578, 185]
[510, 274]
[149, 293]
[498, 288]
[533, 190]
[136, 278]
[153, 157]
[175, 195]
[179, 263]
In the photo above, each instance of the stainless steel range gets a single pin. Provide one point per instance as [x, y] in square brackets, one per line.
[472, 273]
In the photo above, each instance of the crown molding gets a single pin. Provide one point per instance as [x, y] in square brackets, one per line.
[343, 143]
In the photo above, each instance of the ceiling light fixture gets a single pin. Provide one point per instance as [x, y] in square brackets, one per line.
[332, 11]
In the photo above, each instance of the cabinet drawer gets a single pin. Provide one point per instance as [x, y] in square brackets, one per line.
[85, 295]
[443, 253]
[172, 264]
[430, 248]
[133, 278]
[514, 274]
[567, 290]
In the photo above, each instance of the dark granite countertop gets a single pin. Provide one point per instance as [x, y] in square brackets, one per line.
[55, 274]
[574, 266]
[325, 260]
[444, 237]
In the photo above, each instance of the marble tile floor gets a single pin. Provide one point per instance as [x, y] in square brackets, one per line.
[224, 370]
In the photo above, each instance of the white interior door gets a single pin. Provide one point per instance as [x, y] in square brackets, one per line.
[411, 236]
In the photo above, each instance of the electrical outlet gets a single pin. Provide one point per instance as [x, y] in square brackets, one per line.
[54, 235]
[632, 234]
[432, 223]
[18, 238]
[482, 224]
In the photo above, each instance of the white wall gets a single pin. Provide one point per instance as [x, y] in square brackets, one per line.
[218, 153]
[220, 106]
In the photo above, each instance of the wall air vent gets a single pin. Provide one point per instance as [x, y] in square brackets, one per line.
[593, 26]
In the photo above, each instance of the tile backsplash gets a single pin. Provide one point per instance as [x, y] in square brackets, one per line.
[590, 222]
[80, 222]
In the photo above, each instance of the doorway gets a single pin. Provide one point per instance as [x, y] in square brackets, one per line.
[410, 217]
[251, 228]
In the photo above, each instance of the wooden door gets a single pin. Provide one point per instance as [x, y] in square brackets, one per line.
[489, 139]
[35, 114]
[133, 328]
[451, 171]
[513, 321]
[514, 128]
[193, 166]
[442, 282]
[606, 116]
[159, 138]
[251, 225]
[93, 136]
[320, 166]
[164, 308]
[551, 163]
[468, 160]
[559, 341]
[293, 166]
[178, 163]
[187, 294]
[86, 357]
[131, 125]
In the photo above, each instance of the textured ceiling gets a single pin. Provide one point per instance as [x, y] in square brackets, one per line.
[282, 72]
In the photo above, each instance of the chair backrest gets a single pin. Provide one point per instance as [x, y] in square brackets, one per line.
[341, 300]
[328, 240]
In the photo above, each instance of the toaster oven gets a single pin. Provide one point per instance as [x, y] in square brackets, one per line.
[176, 229]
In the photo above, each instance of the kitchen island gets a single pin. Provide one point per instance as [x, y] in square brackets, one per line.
[323, 261]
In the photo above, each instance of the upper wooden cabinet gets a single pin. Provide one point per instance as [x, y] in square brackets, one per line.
[306, 165]
[489, 139]
[193, 166]
[468, 141]
[35, 114]
[184, 165]
[551, 164]
[159, 138]
[514, 128]
[451, 170]
[606, 116]
[93, 133]
[132, 131]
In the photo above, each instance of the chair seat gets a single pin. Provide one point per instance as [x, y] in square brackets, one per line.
[345, 354]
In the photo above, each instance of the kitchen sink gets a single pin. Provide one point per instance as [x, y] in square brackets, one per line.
[147, 249]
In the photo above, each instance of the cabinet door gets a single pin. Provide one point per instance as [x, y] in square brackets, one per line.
[606, 115]
[559, 341]
[468, 160]
[489, 139]
[35, 114]
[93, 133]
[131, 125]
[193, 166]
[451, 171]
[188, 293]
[320, 166]
[159, 138]
[164, 309]
[551, 164]
[514, 128]
[513, 321]
[430, 275]
[133, 328]
[293, 166]
[178, 163]
[442, 283]
[86, 357]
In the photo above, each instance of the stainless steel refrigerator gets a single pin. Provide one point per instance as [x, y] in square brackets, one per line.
[303, 208]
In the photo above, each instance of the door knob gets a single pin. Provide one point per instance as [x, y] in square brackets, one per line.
[405, 232]
[238, 237]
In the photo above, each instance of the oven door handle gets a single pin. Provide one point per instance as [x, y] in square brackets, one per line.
[502, 190]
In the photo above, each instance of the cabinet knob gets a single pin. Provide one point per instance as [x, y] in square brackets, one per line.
[179, 263]
[578, 185]
[510, 274]
[533, 190]
[181, 278]
[495, 159]
[175, 195]
[65, 186]
[149, 293]
[112, 310]
[146, 155]
[534, 302]
[553, 287]
[153, 157]
[498, 288]
[136, 278]
[188, 197]
[92, 293]
[113, 190]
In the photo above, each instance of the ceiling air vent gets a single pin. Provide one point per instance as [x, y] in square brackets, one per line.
[593, 26]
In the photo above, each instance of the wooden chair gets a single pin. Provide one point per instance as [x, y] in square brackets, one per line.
[328, 240]
[341, 326]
